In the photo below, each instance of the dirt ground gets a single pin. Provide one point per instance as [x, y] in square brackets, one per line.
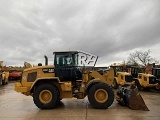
[16, 106]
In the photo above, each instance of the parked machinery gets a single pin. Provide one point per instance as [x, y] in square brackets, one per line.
[15, 71]
[4, 75]
[121, 75]
[27, 65]
[146, 81]
[121, 79]
[118, 68]
[134, 70]
[70, 76]
[147, 77]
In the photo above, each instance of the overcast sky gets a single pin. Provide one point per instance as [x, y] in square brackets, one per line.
[111, 29]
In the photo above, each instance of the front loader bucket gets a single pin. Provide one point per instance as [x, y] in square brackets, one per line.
[131, 97]
[136, 101]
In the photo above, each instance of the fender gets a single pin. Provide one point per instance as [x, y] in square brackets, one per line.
[92, 82]
[46, 78]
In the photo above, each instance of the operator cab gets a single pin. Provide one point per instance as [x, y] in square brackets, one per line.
[117, 69]
[66, 66]
[136, 70]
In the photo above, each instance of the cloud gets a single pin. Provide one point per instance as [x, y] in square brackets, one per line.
[109, 29]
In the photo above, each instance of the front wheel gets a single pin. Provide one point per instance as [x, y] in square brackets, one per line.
[4, 81]
[157, 87]
[46, 96]
[101, 96]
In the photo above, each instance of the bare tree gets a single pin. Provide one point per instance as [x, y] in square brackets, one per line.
[141, 58]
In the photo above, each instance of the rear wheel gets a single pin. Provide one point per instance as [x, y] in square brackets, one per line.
[46, 96]
[101, 96]
[4, 81]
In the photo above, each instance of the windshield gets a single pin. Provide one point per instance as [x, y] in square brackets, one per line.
[117, 68]
[66, 59]
[74, 59]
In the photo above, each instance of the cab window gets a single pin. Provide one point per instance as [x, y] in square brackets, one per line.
[65, 60]
[140, 76]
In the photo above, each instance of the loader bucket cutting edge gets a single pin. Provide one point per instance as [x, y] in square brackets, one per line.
[129, 96]
[136, 101]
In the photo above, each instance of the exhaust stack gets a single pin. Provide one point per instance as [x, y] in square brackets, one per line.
[46, 60]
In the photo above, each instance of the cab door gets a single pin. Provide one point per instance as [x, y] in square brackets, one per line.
[65, 66]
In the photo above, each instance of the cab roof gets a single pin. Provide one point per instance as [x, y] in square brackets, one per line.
[145, 74]
[65, 52]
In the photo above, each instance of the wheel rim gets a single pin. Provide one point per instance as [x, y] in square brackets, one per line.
[101, 95]
[45, 96]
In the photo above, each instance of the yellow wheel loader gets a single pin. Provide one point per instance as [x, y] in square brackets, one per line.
[3, 75]
[146, 81]
[122, 78]
[70, 76]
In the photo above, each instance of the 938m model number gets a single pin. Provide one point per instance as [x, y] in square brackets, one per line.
[48, 70]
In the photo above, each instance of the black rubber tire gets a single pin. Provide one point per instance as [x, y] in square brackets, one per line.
[3, 81]
[115, 85]
[157, 88]
[0, 79]
[55, 96]
[93, 100]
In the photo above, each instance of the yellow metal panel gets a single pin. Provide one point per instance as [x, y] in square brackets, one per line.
[66, 86]
[20, 88]
[95, 74]
[122, 82]
[66, 94]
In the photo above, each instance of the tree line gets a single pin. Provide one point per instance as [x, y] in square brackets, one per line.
[141, 58]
